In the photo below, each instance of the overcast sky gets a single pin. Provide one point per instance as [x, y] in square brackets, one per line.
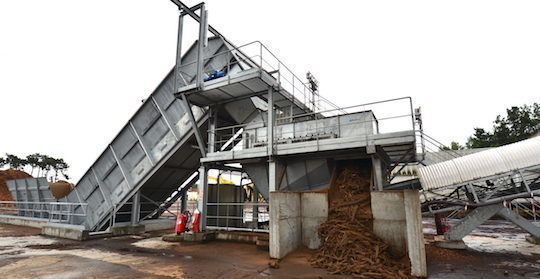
[73, 72]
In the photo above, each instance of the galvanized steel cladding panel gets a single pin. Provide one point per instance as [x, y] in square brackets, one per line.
[30, 190]
[349, 125]
[157, 127]
[487, 163]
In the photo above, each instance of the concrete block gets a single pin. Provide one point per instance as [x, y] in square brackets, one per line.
[199, 237]
[158, 225]
[285, 223]
[65, 231]
[394, 233]
[389, 220]
[190, 237]
[125, 230]
[387, 205]
[245, 237]
[314, 213]
[414, 231]
[310, 231]
[314, 204]
[173, 238]
[449, 244]
[398, 222]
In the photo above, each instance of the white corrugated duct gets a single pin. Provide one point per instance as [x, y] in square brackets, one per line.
[487, 163]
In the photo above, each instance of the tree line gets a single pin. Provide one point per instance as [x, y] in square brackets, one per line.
[43, 164]
[520, 123]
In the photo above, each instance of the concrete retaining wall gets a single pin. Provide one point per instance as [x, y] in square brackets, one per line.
[314, 213]
[285, 223]
[24, 221]
[294, 220]
[397, 220]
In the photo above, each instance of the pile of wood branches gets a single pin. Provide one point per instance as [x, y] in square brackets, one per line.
[349, 245]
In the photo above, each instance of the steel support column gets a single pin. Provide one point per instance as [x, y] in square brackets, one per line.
[212, 124]
[203, 26]
[202, 198]
[178, 52]
[272, 169]
[135, 208]
[376, 165]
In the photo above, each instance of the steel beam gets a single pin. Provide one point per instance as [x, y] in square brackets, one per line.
[192, 14]
[194, 125]
[471, 221]
[143, 144]
[119, 163]
[521, 222]
[167, 120]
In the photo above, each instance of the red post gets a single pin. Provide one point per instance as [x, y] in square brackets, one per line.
[195, 227]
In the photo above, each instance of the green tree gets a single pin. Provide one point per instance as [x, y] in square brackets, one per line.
[47, 164]
[15, 162]
[33, 160]
[60, 167]
[453, 146]
[519, 123]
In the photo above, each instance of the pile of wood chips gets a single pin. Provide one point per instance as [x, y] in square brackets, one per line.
[349, 245]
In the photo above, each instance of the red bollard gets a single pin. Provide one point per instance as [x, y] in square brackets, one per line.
[196, 220]
[440, 223]
[181, 221]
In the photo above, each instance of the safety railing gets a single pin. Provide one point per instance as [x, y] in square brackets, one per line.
[238, 216]
[55, 212]
[433, 151]
[387, 116]
[255, 55]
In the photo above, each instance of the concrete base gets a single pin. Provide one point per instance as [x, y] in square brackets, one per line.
[23, 221]
[124, 230]
[65, 231]
[190, 237]
[533, 240]
[448, 244]
[158, 224]
[244, 237]
[397, 220]
[295, 218]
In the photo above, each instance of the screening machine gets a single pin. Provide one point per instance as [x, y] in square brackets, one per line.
[486, 182]
[222, 104]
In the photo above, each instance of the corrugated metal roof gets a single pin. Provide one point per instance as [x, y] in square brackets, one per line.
[491, 162]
